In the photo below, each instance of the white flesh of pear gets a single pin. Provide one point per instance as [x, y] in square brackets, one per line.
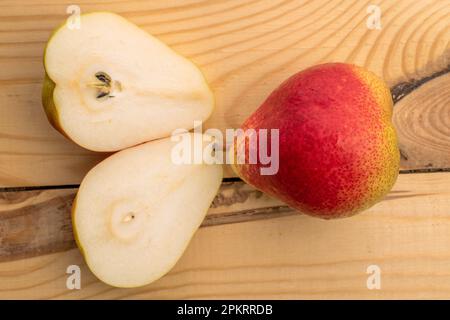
[152, 89]
[136, 211]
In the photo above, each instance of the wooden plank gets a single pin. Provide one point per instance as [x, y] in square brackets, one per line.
[245, 48]
[38, 222]
[407, 235]
[422, 120]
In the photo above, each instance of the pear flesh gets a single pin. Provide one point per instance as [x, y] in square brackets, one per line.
[110, 85]
[136, 212]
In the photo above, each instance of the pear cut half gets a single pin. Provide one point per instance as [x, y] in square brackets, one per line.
[136, 211]
[110, 85]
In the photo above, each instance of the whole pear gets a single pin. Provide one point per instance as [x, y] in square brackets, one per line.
[337, 147]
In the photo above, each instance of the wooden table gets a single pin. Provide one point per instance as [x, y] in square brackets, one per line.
[250, 246]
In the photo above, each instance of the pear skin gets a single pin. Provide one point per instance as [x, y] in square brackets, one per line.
[50, 109]
[338, 152]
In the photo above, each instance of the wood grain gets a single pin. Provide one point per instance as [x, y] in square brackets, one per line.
[407, 235]
[37, 222]
[245, 48]
[424, 130]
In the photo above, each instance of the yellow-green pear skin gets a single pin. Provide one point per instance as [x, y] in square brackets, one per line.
[49, 105]
[74, 227]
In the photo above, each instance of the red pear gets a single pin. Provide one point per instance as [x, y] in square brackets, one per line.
[337, 148]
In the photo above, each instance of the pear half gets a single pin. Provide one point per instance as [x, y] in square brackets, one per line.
[110, 85]
[136, 212]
